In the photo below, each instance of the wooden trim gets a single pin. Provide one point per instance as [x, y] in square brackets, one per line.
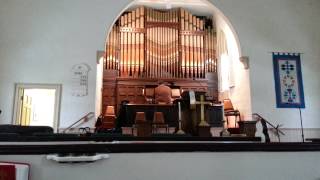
[77, 138]
[297, 129]
[150, 24]
[57, 87]
[192, 33]
[132, 30]
[145, 147]
[163, 79]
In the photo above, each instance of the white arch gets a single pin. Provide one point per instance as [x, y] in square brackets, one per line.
[240, 94]
[217, 13]
[221, 18]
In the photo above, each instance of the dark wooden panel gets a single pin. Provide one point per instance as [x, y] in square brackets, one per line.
[214, 116]
[169, 111]
[134, 147]
[118, 89]
[109, 89]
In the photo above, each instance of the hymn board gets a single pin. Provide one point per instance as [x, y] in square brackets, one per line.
[147, 45]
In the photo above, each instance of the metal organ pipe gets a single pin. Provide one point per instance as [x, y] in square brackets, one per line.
[150, 43]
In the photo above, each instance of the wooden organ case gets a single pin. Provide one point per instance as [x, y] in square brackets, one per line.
[147, 46]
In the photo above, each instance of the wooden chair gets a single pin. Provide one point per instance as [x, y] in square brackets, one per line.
[142, 126]
[230, 111]
[109, 118]
[140, 118]
[159, 123]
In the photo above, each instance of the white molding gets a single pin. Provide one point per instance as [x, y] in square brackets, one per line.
[245, 61]
[57, 87]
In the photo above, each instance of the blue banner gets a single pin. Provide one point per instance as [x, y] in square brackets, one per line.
[288, 80]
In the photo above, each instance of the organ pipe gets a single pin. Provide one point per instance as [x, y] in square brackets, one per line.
[154, 43]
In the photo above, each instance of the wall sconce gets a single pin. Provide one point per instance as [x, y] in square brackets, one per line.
[245, 61]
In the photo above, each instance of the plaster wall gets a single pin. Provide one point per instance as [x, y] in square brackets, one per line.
[180, 166]
[284, 26]
[40, 41]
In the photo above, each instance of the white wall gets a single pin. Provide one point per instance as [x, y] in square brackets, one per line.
[285, 25]
[40, 41]
[180, 166]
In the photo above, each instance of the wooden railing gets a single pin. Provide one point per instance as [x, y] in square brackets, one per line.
[85, 118]
[265, 124]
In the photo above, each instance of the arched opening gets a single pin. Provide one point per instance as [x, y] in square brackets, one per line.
[232, 78]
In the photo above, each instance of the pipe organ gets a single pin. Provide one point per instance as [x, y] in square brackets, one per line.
[153, 43]
[146, 46]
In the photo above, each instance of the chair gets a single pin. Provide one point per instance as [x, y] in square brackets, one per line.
[158, 118]
[159, 122]
[142, 126]
[109, 118]
[230, 111]
[140, 118]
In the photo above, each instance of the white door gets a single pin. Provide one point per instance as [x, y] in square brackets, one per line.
[37, 105]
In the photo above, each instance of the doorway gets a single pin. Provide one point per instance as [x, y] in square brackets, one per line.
[37, 105]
